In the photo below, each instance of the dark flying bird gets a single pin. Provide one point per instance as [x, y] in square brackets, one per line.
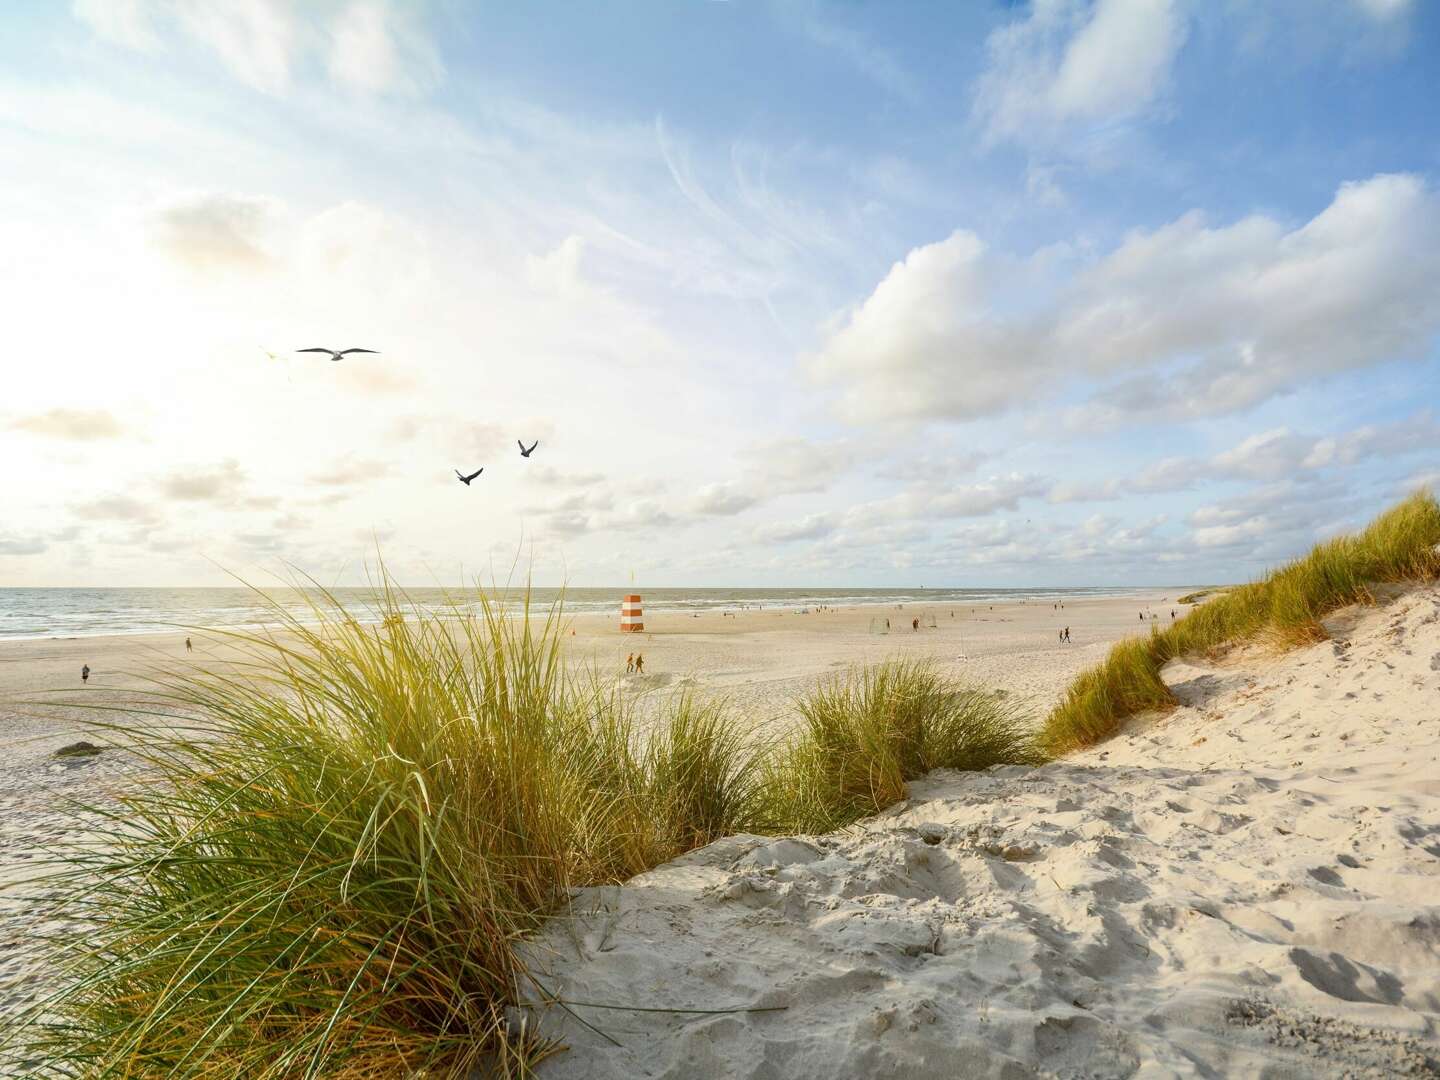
[335, 356]
[523, 451]
[466, 479]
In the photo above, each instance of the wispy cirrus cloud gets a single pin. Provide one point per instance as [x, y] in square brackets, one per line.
[366, 46]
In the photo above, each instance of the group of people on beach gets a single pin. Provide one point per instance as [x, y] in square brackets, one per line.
[1065, 634]
[635, 664]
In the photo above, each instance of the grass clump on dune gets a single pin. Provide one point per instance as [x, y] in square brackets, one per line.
[1284, 608]
[340, 839]
[866, 734]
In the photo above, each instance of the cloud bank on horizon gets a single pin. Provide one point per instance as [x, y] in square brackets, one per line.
[1070, 291]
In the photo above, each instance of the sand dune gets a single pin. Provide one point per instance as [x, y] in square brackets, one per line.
[1246, 886]
[757, 660]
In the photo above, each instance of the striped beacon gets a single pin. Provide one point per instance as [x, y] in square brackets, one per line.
[631, 621]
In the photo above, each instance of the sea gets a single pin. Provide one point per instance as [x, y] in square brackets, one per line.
[64, 613]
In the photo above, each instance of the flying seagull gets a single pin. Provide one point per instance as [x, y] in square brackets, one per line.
[466, 479]
[335, 356]
[523, 451]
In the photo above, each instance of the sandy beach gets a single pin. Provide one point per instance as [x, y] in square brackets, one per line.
[757, 660]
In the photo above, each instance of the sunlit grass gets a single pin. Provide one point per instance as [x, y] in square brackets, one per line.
[343, 834]
[1285, 609]
[864, 735]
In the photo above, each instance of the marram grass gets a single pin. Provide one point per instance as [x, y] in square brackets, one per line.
[340, 836]
[1285, 608]
[864, 735]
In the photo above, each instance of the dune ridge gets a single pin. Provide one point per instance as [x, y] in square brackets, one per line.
[1244, 885]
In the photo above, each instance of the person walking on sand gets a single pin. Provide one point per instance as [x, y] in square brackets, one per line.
[188, 646]
[915, 625]
[85, 673]
[639, 663]
[1067, 634]
[630, 664]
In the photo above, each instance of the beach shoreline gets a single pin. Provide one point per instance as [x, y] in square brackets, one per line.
[76, 605]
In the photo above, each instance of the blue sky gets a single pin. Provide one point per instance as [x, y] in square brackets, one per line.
[792, 293]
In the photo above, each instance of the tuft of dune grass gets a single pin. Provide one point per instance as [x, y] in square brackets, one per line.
[865, 734]
[1285, 609]
[338, 842]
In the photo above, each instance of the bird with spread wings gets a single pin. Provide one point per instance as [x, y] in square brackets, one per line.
[335, 354]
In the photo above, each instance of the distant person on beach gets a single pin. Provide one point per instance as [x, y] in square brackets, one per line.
[188, 646]
[630, 664]
[1067, 633]
[887, 624]
[639, 664]
[915, 625]
[85, 673]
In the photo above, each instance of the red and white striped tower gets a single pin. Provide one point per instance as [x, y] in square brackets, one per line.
[631, 621]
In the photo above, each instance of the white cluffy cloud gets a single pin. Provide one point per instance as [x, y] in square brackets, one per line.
[1189, 319]
[1072, 62]
[74, 425]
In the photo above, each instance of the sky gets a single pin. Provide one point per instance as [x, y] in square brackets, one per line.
[1066, 292]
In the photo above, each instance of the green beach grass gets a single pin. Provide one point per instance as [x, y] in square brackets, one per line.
[340, 837]
[1284, 609]
[865, 734]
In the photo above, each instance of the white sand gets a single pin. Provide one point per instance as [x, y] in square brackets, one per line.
[1245, 887]
[757, 659]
